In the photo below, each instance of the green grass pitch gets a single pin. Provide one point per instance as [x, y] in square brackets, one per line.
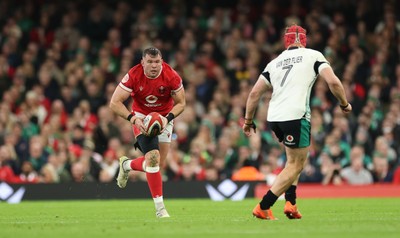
[369, 217]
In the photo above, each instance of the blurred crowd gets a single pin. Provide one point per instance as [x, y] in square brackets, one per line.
[61, 60]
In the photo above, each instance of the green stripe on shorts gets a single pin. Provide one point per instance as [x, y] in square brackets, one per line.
[304, 133]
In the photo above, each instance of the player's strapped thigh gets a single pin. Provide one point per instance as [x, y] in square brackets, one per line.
[147, 143]
[294, 133]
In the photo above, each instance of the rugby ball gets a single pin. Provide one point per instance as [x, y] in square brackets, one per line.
[153, 124]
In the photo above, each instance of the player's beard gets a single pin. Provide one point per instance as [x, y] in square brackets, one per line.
[153, 73]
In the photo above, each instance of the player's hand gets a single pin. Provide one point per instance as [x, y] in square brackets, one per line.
[164, 123]
[346, 109]
[139, 124]
[247, 128]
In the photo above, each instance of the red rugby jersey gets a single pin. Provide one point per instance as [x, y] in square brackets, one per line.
[152, 95]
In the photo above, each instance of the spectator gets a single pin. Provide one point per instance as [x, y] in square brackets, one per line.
[28, 173]
[329, 170]
[109, 166]
[66, 34]
[381, 170]
[38, 154]
[48, 174]
[37, 111]
[80, 173]
[6, 173]
[105, 129]
[356, 174]
[91, 159]
[211, 174]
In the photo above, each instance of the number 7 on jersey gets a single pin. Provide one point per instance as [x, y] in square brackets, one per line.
[288, 68]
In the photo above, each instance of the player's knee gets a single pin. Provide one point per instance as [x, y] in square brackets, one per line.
[294, 167]
[152, 158]
[298, 169]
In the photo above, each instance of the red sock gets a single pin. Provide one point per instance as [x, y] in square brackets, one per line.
[155, 183]
[137, 164]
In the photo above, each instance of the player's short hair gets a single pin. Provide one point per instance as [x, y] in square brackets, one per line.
[153, 51]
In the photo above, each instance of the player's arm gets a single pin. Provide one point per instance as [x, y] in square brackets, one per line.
[179, 105]
[179, 102]
[117, 104]
[252, 101]
[336, 87]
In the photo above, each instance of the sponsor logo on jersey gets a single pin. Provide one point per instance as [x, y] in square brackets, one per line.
[151, 99]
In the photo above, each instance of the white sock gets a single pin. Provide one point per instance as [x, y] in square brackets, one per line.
[159, 202]
[127, 165]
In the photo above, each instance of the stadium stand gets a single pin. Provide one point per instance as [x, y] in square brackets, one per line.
[60, 61]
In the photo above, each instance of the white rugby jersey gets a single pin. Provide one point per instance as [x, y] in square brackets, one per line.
[292, 75]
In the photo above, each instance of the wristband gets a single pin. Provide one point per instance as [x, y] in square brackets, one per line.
[251, 125]
[129, 117]
[344, 107]
[170, 117]
[248, 119]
